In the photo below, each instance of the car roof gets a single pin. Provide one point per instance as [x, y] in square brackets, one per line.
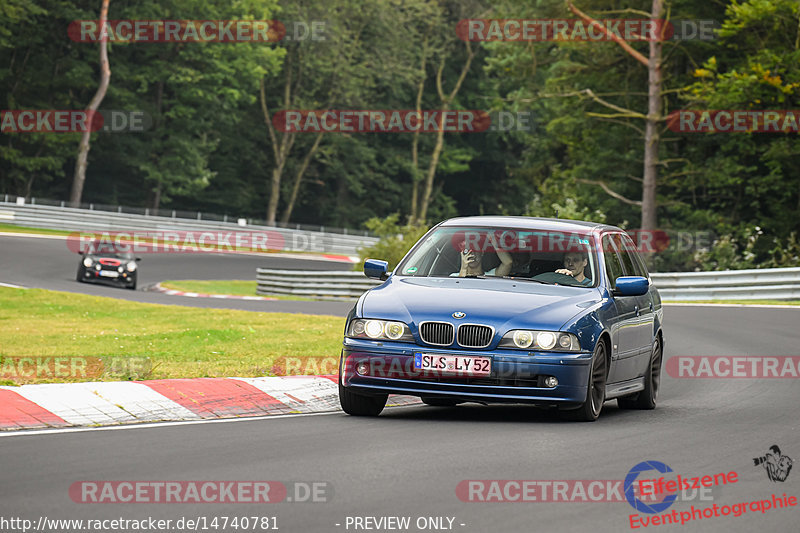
[536, 223]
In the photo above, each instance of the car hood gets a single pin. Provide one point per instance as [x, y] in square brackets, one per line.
[502, 303]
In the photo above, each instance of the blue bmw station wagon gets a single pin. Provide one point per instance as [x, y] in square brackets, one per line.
[547, 312]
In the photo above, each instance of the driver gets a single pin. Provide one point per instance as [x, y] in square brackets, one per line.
[574, 265]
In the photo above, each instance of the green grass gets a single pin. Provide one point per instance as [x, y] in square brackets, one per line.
[180, 342]
[744, 302]
[232, 287]
[11, 228]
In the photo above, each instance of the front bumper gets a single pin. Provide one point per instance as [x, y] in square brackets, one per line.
[91, 274]
[516, 376]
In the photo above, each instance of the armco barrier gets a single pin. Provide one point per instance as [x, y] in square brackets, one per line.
[760, 284]
[754, 284]
[72, 219]
[319, 285]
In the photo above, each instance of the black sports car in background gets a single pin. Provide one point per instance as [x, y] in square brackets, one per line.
[102, 262]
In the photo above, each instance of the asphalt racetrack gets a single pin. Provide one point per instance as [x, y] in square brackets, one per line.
[46, 263]
[409, 461]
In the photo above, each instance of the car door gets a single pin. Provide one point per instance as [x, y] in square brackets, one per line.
[624, 334]
[634, 266]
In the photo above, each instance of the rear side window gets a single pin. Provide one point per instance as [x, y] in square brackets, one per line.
[613, 265]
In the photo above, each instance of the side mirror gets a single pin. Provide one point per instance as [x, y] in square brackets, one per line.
[376, 269]
[631, 286]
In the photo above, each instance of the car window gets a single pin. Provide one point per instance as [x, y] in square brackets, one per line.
[624, 256]
[612, 260]
[520, 253]
[629, 251]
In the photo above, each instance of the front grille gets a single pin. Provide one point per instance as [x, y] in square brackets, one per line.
[474, 335]
[438, 333]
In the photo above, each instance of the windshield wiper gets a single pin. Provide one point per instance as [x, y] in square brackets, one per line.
[526, 279]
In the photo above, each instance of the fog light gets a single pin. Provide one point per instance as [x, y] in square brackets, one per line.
[550, 381]
[362, 368]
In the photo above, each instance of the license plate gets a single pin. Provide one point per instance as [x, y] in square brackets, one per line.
[462, 365]
[109, 274]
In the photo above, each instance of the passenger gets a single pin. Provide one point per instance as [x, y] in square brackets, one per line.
[472, 264]
[574, 265]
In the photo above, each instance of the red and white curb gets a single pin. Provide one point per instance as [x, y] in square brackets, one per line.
[172, 292]
[124, 402]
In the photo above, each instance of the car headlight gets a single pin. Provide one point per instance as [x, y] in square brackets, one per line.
[362, 328]
[523, 339]
[87, 262]
[131, 266]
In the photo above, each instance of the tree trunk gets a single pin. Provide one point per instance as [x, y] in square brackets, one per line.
[652, 138]
[157, 198]
[299, 177]
[426, 193]
[413, 215]
[81, 163]
[274, 193]
[437, 149]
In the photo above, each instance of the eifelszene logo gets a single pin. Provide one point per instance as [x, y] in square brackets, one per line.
[630, 486]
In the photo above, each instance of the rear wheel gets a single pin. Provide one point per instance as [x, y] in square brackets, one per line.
[646, 399]
[596, 389]
[360, 404]
[439, 402]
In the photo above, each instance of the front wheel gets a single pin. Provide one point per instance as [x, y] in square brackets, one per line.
[646, 399]
[595, 390]
[359, 404]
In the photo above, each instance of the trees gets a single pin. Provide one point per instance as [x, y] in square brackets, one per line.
[81, 161]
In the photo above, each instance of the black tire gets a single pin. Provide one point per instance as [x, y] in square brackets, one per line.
[646, 399]
[79, 277]
[359, 404]
[590, 409]
[132, 286]
[439, 402]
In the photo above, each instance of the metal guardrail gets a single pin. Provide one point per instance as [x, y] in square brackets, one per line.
[319, 285]
[768, 283]
[753, 284]
[89, 220]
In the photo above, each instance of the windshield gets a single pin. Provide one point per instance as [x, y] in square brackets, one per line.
[107, 249]
[553, 257]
